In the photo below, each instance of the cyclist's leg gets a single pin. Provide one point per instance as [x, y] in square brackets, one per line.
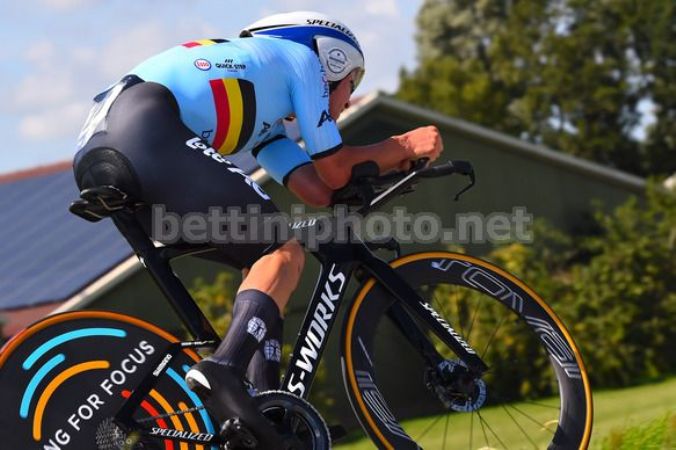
[259, 305]
[177, 170]
[264, 368]
[276, 274]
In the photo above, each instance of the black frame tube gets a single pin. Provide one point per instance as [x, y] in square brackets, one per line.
[319, 320]
[157, 263]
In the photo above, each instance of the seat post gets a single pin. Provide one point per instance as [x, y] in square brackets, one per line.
[165, 278]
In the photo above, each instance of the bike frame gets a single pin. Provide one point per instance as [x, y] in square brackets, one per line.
[335, 274]
[338, 262]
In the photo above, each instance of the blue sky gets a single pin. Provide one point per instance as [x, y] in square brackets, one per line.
[58, 54]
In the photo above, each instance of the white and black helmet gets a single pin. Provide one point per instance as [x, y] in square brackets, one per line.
[337, 47]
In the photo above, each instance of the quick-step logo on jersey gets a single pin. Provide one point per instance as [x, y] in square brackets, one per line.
[197, 144]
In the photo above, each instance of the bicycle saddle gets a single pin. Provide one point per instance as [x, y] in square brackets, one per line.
[99, 202]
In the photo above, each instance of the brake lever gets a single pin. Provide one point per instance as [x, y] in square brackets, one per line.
[472, 182]
[448, 168]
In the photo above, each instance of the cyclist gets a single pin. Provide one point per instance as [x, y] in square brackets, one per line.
[159, 135]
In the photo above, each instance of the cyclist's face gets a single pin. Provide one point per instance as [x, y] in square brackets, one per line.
[339, 100]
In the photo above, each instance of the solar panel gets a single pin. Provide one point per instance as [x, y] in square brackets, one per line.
[48, 254]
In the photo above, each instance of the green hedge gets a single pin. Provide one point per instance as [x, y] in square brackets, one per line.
[615, 288]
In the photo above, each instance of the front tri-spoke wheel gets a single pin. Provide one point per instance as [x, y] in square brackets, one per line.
[535, 394]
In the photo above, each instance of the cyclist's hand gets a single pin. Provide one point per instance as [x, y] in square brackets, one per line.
[423, 142]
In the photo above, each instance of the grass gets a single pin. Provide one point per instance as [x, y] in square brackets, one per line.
[657, 434]
[642, 417]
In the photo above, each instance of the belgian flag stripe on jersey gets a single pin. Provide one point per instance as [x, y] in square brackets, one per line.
[236, 116]
[203, 42]
[235, 103]
[222, 112]
[249, 105]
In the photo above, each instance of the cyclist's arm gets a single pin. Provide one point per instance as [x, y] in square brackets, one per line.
[335, 169]
[393, 153]
[333, 161]
[290, 166]
[306, 184]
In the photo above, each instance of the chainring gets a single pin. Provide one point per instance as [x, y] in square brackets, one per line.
[297, 421]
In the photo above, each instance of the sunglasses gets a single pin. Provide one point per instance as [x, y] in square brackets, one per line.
[355, 78]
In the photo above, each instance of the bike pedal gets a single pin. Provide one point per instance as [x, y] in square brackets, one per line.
[337, 432]
[237, 436]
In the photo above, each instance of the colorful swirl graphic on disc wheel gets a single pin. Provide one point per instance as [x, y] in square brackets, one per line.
[54, 385]
[63, 376]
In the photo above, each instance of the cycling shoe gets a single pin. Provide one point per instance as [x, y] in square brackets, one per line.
[226, 397]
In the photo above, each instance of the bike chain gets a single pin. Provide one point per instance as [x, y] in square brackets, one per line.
[171, 414]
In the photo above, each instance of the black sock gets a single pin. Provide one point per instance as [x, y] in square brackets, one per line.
[263, 369]
[253, 315]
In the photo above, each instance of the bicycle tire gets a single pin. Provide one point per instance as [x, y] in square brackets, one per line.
[63, 376]
[464, 281]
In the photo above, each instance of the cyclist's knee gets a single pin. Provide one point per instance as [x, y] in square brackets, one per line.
[277, 273]
[287, 261]
[293, 256]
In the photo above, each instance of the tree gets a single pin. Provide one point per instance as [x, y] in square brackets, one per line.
[615, 289]
[570, 74]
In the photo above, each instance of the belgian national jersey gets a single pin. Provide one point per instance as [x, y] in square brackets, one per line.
[235, 94]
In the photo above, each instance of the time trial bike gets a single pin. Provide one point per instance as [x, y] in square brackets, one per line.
[437, 349]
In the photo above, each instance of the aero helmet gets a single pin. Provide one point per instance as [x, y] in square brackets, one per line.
[335, 45]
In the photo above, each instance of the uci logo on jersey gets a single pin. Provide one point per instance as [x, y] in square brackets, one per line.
[202, 64]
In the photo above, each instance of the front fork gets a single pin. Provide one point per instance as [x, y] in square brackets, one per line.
[409, 304]
[449, 380]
